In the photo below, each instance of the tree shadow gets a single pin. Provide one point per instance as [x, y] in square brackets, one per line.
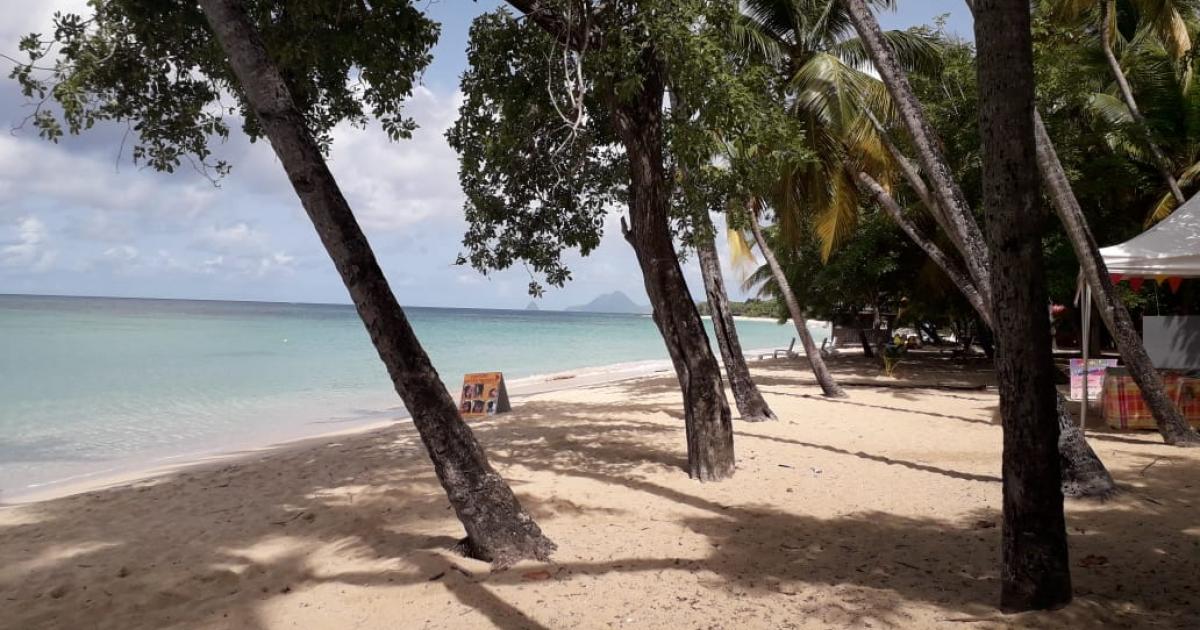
[373, 515]
[855, 403]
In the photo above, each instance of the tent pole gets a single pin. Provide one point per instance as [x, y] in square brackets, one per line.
[1086, 342]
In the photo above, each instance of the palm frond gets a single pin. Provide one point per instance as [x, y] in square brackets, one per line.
[741, 257]
[916, 52]
[839, 217]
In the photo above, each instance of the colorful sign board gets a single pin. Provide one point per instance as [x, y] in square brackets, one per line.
[483, 394]
[1095, 377]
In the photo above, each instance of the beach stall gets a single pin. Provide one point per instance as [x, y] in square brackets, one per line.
[1169, 252]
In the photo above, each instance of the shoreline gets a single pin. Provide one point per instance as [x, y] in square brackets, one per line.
[201, 460]
[838, 513]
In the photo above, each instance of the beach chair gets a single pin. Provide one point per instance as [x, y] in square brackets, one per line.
[774, 354]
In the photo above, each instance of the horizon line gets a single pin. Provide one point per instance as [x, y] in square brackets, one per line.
[569, 309]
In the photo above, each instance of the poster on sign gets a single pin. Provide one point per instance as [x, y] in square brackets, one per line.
[483, 394]
[1094, 374]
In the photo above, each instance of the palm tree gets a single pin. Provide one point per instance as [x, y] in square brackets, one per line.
[965, 232]
[1160, 26]
[828, 92]
[1035, 573]
[498, 528]
[827, 89]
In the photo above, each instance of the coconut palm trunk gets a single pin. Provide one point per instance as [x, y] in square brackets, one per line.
[1170, 421]
[1161, 162]
[1083, 474]
[821, 371]
[749, 401]
[943, 186]
[1035, 573]
[960, 279]
[498, 528]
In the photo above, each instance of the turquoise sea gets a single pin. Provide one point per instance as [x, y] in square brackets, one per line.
[92, 387]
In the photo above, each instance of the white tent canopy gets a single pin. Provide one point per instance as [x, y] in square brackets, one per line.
[1170, 248]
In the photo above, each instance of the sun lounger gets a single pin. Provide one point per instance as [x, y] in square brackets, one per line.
[775, 354]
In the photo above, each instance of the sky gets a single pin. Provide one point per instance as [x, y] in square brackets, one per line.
[79, 218]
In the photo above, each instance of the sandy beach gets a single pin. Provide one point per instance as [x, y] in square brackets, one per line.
[877, 511]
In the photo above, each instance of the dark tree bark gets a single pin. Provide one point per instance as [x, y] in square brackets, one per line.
[498, 528]
[638, 120]
[750, 402]
[1084, 475]
[1034, 572]
[821, 371]
[964, 283]
[1171, 423]
[866, 344]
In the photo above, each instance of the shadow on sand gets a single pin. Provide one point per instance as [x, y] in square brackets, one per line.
[378, 502]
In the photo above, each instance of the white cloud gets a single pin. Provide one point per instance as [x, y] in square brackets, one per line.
[29, 250]
[236, 237]
[395, 185]
[121, 252]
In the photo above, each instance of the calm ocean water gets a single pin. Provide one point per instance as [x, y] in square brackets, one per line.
[96, 386]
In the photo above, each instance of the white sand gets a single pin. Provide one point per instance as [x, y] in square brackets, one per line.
[879, 511]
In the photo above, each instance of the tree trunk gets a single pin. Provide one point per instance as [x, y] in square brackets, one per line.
[866, 344]
[498, 528]
[1035, 573]
[1171, 423]
[1084, 474]
[750, 403]
[638, 120]
[944, 187]
[935, 253]
[824, 378]
[1160, 159]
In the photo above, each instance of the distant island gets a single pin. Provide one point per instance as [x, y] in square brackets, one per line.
[532, 306]
[749, 308]
[615, 302]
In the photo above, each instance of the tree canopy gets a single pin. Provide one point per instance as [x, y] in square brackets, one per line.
[155, 66]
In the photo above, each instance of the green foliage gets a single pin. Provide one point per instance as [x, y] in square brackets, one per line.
[535, 184]
[155, 66]
[832, 99]
[751, 308]
[878, 267]
[541, 163]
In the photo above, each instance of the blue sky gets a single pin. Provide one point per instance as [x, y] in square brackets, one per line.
[78, 219]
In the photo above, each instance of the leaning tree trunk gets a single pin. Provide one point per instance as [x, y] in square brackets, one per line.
[638, 120]
[945, 190]
[1171, 423]
[824, 377]
[1161, 162]
[964, 283]
[498, 528]
[750, 402]
[1034, 573]
[1083, 474]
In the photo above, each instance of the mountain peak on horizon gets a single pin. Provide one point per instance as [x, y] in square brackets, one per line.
[615, 302]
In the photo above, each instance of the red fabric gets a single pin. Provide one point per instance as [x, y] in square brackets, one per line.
[1124, 408]
[1136, 283]
[1174, 283]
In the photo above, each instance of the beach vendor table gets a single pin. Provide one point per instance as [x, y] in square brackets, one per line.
[1123, 407]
